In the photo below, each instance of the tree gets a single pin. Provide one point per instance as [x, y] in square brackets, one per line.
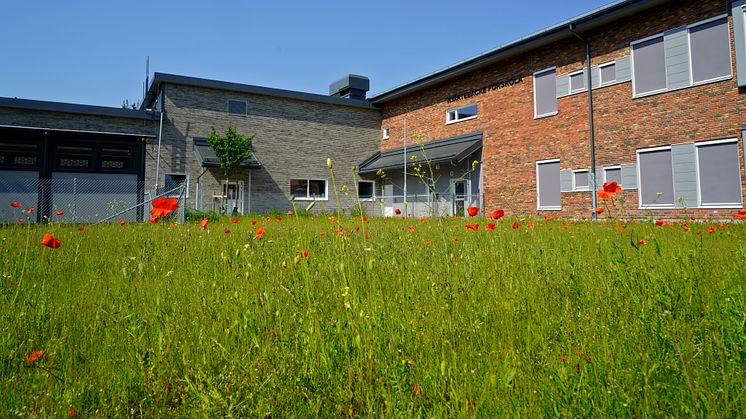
[127, 105]
[231, 149]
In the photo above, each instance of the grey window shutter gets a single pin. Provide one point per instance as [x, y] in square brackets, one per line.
[545, 92]
[719, 174]
[629, 176]
[710, 44]
[565, 180]
[676, 45]
[684, 175]
[549, 185]
[656, 178]
[595, 76]
[563, 85]
[623, 69]
[650, 66]
[739, 30]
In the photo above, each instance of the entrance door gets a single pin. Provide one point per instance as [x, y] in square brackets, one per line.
[233, 197]
[459, 194]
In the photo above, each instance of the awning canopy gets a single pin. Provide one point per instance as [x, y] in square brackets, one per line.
[449, 150]
[207, 157]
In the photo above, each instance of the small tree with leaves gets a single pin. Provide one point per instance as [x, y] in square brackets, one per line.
[231, 149]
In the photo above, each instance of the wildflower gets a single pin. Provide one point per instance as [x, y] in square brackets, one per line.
[226, 231]
[29, 210]
[428, 241]
[365, 219]
[490, 226]
[254, 222]
[329, 163]
[687, 229]
[268, 219]
[397, 211]
[367, 234]
[204, 223]
[564, 358]
[278, 219]
[81, 229]
[602, 194]
[290, 213]
[234, 220]
[260, 233]
[58, 212]
[472, 211]
[612, 188]
[163, 206]
[34, 356]
[497, 214]
[470, 404]
[417, 390]
[322, 233]
[711, 229]
[153, 220]
[599, 210]
[172, 225]
[516, 225]
[50, 241]
[70, 412]
[15, 204]
[455, 239]
[578, 352]
[660, 223]
[122, 223]
[304, 254]
[411, 229]
[472, 227]
[641, 242]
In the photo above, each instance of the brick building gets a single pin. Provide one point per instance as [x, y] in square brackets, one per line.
[514, 128]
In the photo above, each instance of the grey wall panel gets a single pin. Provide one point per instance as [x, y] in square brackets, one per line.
[595, 76]
[629, 176]
[563, 85]
[684, 175]
[566, 180]
[599, 178]
[676, 46]
[18, 186]
[624, 69]
[739, 31]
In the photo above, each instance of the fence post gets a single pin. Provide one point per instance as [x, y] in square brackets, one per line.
[75, 199]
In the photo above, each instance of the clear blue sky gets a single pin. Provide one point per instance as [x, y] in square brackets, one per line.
[94, 52]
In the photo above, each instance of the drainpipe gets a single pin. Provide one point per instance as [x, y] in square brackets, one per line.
[199, 192]
[589, 88]
[405, 166]
[158, 155]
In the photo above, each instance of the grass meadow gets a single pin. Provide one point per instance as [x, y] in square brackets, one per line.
[388, 317]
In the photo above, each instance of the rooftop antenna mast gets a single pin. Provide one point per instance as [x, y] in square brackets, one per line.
[147, 77]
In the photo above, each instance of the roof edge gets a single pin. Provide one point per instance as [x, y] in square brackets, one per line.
[43, 105]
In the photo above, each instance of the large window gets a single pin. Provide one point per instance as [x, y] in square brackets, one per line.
[648, 66]
[366, 190]
[710, 50]
[580, 180]
[548, 185]
[656, 178]
[461, 114]
[308, 189]
[545, 93]
[237, 107]
[719, 174]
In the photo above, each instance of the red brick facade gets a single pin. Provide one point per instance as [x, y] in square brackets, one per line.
[514, 140]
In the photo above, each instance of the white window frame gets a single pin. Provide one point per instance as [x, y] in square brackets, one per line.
[371, 199]
[456, 118]
[308, 196]
[581, 188]
[601, 80]
[569, 82]
[689, 28]
[640, 205]
[186, 181]
[604, 169]
[538, 197]
[228, 107]
[384, 133]
[704, 205]
[636, 95]
[541, 72]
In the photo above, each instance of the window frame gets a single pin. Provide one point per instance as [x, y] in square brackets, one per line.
[632, 44]
[582, 188]
[228, 107]
[308, 196]
[700, 204]
[569, 82]
[541, 73]
[640, 205]
[385, 133]
[538, 188]
[601, 81]
[457, 119]
[372, 198]
[605, 168]
[186, 182]
[689, 28]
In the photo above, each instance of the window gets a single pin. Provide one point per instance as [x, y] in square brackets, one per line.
[19, 154]
[710, 50]
[719, 173]
[366, 190]
[545, 93]
[461, 114]
[655, 169]
[648, 66]
[613, 174]
[237, 107]
[608, 73]
[173, 181]
[548, 185]
[308, 189]
[580, 180]
[577, 81]
[74, 157]
[385, 133]
[115, 158]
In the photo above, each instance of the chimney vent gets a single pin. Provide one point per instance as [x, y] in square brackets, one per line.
[350, 86]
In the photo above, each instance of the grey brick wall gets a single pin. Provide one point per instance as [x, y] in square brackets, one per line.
[71, 121]
[293, 140]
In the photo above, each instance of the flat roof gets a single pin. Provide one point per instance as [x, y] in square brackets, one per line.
[160, 78]
[613, 11]
[43, 105]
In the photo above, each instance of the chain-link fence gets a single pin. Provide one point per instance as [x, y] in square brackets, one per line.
[84, 199]
[429, 205]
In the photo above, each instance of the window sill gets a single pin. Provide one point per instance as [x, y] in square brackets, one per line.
[546, 115]
[656, 207]
[720, 206]
[237, 114]
[311, 199]
[548, 208]
[461, 120]
[697, 84]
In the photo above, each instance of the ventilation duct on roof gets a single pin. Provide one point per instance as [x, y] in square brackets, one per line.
[350, 86]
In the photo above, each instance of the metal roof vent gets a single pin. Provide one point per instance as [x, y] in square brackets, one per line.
[350, 86]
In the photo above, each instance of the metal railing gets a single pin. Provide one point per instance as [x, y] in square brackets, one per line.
[429, 205]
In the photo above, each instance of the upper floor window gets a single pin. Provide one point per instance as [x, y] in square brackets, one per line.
[577, 81]
[710, 50]
[545, 93]
[461, 114]
[237, 107]
[648, 66]
[608, 73]
[385, 133]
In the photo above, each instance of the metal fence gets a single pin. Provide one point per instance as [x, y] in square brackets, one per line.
[85, 199]
[429, 205]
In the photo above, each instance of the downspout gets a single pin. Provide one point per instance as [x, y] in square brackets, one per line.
[158, 154]
[405, 166]
[589, 88]
[198, 198]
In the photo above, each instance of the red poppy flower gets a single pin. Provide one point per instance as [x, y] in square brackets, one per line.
[455, 239]
[711, 229]
[226, 231]
[497, 214]
[428, 241]
[490, 227]
[29, 210]
[153, 220]
[290, 213]
[260, 233]
[204, 223]
[367, 234]
[516, 225]
[357, 228]
[278, 219]
[50, 241]
[472, 211]
[254, 222]
[472, 226]
[417, 390]
[602, 194]
[564, 358]
[660, 223]
[411, 229]
[304, 254]
[687, 229]
[172, 225]
[741, 212]
[15, 204]
[58, 212]
[365, 219]
[268, 219]
[612, 187]
[34, 356]
[80, 229]
[599, 210]
[122, 223]
[397, 211]
[322, 234]
[163, 206]
[641, 242]
[234, 220]
[70, 412]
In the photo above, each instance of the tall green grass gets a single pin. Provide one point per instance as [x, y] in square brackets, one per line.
[551, 319]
